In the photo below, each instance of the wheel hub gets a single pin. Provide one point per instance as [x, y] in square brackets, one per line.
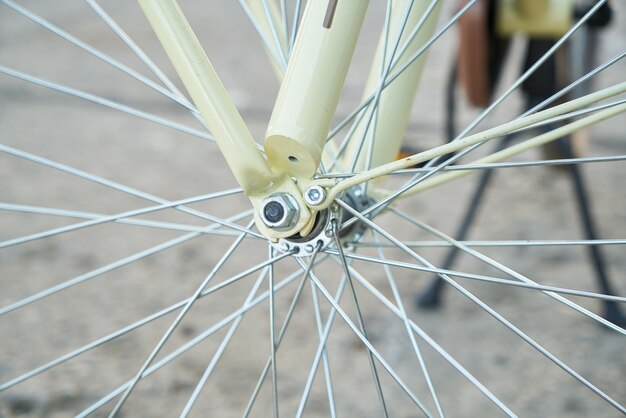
[322, 235]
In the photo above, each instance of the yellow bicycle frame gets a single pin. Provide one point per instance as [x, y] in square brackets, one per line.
[308, 97]
[306, 102]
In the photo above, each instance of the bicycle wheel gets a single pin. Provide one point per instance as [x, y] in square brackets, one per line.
[117, 208]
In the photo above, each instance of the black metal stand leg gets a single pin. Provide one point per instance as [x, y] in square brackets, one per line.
[612, 310]
[431, 297]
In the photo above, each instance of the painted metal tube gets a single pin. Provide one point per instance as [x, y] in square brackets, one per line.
[395, 100]
[310, 90]
[210, 96]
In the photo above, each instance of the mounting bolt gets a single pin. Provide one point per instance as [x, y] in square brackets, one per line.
[279, 211]
[314, 195]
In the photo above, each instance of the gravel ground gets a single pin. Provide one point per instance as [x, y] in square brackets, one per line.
[530, 203]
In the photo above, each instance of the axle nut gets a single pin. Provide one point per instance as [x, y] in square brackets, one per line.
[280, 211]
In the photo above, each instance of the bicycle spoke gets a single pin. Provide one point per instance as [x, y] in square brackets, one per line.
[105, 102]
[400, 305]
[360, 322]
[499, 243]
[157, 315]
[419, 185]
[567, 116]
[99, 54]
[296, 24]
[109, 267]
[222, 347]
[349, 165]
[281, 333]
[383, 71]
[370, 347]
[530, 71]
[277, 40]
[277, 58]
[143, 57]
[325, 362]
[433, 344]
[510, 272]
[491, 312]
[491, 166]
[181, 350]
[386, 67]
[110, 218]
[398, 72]
[285, 26]
[11, 207]
[177, 321]
[134, 48]
[479, 277]
[574, 84]
[272, 335]
[320, 348]
[117, 186]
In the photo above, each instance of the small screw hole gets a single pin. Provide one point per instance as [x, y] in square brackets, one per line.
[293, 159]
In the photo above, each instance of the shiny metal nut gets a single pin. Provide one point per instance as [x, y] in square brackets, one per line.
[314, 195]
[279, 211]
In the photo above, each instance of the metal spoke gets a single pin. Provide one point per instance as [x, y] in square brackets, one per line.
[383, 71]
[386, 68]
[491, 166]
[414, 181]
[272, 23]
[502, 243]
[490, 311]
[325, 362]
[282, 332]
[177, 321]
[370, 347]
[433, 344]
[285, 25]
[278, 59]
[150, 318]
[225, 341]
[359, 316]
[509, 271]
[321, 348]
[479, 277]
[40, 210]
[405, 319]
[117, 186]
[99, 54]
[398, 72]
[295, 25]
[272, 335]
[105, 102]
[475, 139]
[109, 267]
[567, 116]
[135, 48]
[184, 348]
[575, 84]
[110, 218]
[143, 57]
